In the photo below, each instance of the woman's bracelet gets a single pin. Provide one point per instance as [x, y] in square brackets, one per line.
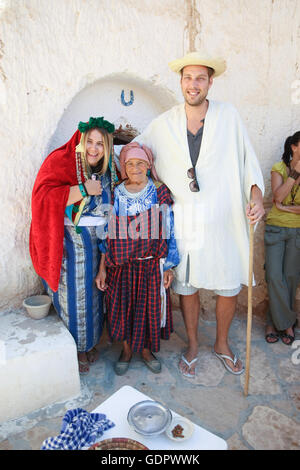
[87, 193]
[82, 190]
[294, 174]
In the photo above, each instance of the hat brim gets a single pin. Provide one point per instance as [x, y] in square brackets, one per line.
[218, 65]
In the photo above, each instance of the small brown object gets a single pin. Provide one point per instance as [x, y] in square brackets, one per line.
[177, 431]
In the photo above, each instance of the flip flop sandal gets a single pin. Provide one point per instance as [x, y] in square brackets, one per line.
[274, 336]
[189, 364]
[154, 365]
[222, 358]
[84, 364]
[288, 337]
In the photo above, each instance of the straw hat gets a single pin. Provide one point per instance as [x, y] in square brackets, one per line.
[197, 58]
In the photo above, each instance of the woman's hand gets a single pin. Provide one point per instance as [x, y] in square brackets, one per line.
[168, 278]
[297, 168]
[100, 279]
[93, 187]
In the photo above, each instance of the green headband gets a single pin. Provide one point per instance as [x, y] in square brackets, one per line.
[96, 122]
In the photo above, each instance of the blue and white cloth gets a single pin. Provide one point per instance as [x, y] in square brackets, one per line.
[79, 429]
[78, 302]
[129, 204]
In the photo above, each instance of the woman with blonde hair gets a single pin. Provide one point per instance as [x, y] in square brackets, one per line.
[69, 204]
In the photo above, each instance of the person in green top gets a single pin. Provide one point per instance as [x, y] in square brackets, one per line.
[282, 244]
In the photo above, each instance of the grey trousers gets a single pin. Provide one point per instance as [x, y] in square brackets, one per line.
[282, 256]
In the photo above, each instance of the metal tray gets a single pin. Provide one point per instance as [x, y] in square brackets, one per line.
[149, 418]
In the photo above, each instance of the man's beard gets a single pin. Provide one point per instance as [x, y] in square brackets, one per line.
[198, 102]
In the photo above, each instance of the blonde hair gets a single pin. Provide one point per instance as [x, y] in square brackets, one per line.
[107, 146]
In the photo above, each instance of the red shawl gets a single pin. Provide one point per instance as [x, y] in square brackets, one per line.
[49, 199]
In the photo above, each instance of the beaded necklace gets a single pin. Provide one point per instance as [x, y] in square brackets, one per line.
[294, 191]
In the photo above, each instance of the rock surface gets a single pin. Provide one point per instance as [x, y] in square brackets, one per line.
[266, 429]
[268, 418]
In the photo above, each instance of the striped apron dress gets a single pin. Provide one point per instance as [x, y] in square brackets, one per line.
[77, 301]
[133, 296]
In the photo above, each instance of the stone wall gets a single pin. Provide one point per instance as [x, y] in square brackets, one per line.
[63, 60]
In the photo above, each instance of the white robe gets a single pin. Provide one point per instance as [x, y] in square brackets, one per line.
[210, 226]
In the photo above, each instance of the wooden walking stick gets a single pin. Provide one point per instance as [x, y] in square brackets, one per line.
[249, 315]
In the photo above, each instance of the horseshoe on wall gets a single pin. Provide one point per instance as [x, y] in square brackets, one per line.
[127, 103]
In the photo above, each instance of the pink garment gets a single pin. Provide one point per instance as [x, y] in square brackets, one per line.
[141, 152]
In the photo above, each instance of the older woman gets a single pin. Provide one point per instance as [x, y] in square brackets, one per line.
[136, 271]
[282, 244]
[68, 210]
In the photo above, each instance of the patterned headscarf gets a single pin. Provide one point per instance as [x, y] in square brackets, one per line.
[141, 152]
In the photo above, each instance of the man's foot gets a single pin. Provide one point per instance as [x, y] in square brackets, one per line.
[271, 335]
[231, 362]
[226, 360]
[187, 364]
[191, 371]
[83, 364]
[93, 355]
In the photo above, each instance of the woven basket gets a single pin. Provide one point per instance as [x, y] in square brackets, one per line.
[118, 443]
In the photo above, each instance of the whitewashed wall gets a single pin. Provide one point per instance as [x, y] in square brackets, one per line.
[64, 60]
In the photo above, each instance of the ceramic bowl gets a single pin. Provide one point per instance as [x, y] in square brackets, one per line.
[186, 432]
[37, 306]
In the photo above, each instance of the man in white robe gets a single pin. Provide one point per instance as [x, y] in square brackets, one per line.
[212, 192]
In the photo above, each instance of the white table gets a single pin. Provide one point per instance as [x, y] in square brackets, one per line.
[116, 408]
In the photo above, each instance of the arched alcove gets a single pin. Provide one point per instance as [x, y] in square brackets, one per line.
[122, 99]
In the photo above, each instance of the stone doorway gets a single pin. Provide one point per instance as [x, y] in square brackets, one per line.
[127, 101]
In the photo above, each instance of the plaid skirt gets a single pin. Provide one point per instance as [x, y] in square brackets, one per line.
[133, 298]
[134, 305]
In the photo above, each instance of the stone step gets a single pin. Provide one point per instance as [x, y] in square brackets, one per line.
[38, 363]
